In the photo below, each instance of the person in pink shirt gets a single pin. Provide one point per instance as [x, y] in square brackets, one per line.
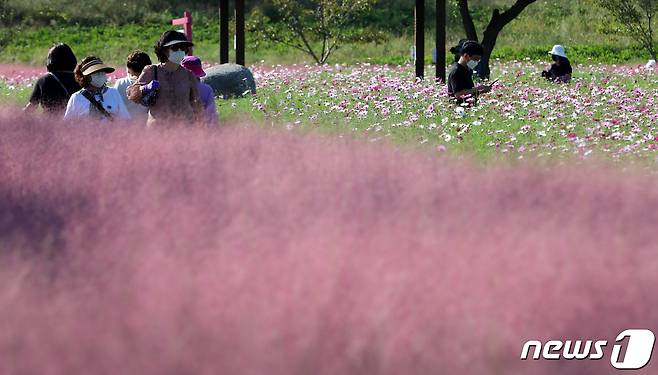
[193, 64]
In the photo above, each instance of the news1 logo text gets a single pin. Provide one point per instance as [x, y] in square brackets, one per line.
[632, 349]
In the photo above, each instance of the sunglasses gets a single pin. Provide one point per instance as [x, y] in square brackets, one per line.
[179, 47]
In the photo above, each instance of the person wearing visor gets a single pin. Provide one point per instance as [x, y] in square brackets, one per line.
[460, 77]
[95, 100]
[52, 91]
[169, 90]
[206, 94]
[561, 70]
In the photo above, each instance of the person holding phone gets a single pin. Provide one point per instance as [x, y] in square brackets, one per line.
[173, 89]
[460, 77]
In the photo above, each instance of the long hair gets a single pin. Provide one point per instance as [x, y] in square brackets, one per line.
[61, 58]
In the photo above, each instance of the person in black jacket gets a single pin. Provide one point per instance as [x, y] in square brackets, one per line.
[52, 91]
[460, 77]
[561, 70]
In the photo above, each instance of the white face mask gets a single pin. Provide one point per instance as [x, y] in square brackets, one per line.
[176, 56]
[99, 79]
[472, 64]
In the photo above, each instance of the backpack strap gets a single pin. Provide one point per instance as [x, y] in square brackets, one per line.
[60, 83]
[96, 104]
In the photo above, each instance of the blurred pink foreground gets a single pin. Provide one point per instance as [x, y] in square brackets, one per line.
[247, 251]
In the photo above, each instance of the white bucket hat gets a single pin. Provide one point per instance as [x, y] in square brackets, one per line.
[558, 50]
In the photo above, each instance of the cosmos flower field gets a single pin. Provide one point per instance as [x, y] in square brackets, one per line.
[606, 112]
[368, 242]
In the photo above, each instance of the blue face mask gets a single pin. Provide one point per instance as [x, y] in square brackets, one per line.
[472, 64]
[176, 56]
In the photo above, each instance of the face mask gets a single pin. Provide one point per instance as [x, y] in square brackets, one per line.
[176, 56]
[472, 64]
[99, 79]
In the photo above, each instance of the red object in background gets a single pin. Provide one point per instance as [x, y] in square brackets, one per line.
[186, 21]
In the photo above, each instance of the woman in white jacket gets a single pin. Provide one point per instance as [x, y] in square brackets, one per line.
[95, 100]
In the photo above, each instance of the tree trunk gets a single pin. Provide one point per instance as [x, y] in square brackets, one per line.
[496, 25]
[652, 52]
[467, 20]
[488, 44]
[223, 31]
[420, 39]
[240, 44]
[440, 40]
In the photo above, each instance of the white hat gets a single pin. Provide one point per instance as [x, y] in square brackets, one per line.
[558, 50]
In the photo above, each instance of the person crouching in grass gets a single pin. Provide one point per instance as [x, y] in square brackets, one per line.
[206, 94]
[561, 70]
[95, 100]
[460, 77]
[136, 63]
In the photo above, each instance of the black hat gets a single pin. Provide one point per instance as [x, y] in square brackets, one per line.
[171, 37]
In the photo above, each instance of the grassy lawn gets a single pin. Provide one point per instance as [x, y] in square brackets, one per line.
[531, 35]
[113, 44]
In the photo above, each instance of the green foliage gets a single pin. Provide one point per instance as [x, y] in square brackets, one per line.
[604, 54]
[390, 23]
[114, 43]
[316, 27]
[638, 19]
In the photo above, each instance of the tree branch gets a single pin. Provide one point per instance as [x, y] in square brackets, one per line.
[649, 11]
[275, 38]
[332, 48]
[323, 28]
[510, 14]
[496, 24]
[469, 26]
[297, 28]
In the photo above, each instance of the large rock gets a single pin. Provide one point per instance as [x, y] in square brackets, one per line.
[230, 80]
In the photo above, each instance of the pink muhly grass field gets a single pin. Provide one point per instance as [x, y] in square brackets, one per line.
[248, 251]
